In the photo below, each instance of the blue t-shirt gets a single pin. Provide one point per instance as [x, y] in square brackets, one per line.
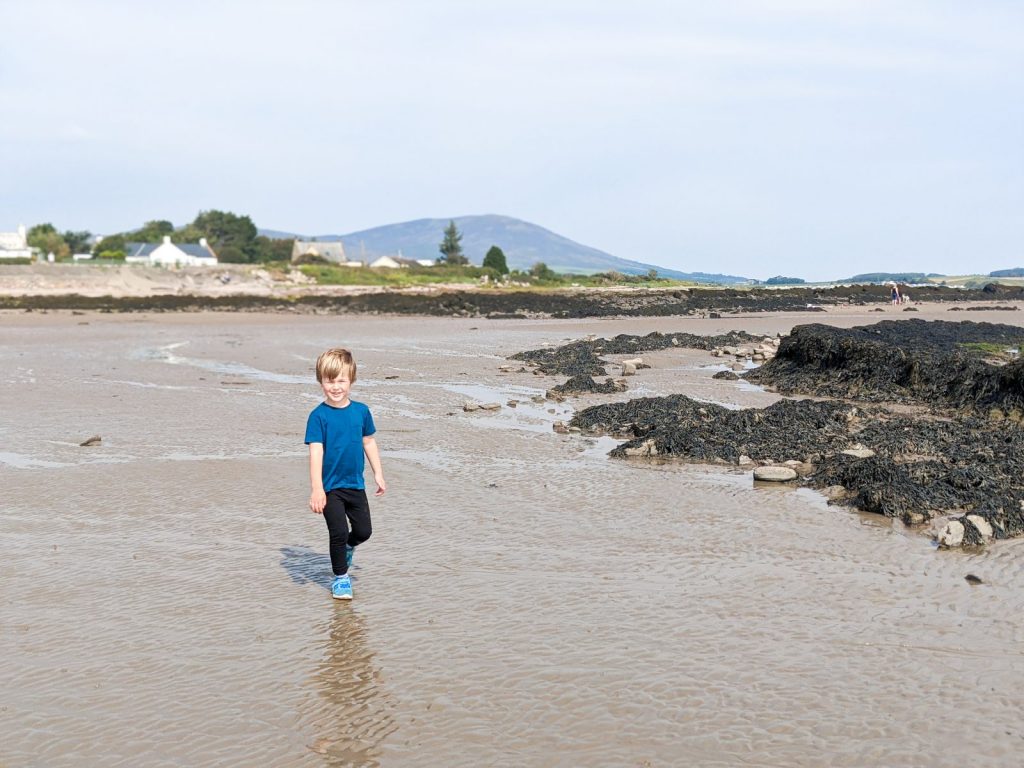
[341, 430]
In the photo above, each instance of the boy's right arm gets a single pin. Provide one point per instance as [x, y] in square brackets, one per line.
[317, 497]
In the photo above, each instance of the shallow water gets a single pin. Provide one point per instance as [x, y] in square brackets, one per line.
[524, 600]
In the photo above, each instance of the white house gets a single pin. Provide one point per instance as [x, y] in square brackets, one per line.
[14, 245]
[395, 262]
[168, 254]
[332, 252]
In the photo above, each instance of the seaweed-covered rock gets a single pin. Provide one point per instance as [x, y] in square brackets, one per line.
[939, 363]
[584, 384]
[893, 465]
[583, 357]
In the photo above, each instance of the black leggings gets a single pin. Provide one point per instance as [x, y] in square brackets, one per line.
[344, 505]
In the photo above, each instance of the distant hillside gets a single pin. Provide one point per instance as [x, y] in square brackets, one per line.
[891, 277]
[524, 245]
[1014, 272]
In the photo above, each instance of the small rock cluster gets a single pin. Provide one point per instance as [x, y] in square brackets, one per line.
[754, 353]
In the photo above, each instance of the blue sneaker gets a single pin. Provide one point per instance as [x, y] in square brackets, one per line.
[341, 587]
[349, 551]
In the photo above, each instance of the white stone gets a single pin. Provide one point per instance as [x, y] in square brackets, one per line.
[628, 369]
[859, 453]
[775, 474]
[952, 534]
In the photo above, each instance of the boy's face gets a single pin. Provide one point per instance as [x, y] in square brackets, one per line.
[336, 390]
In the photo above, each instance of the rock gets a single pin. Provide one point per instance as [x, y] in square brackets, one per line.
[775, 474]
[915, 518]
[984, 526]
[973, 580]
[467, 407]
[628, 369]
[512, 403]
[646, 448]
[757, 357]
[739, 367]
[490, 406]
[730, 375]
[744, 459]
[952, 534]
[94, 440]
[560, 428]
[859, 453]
[835, 492]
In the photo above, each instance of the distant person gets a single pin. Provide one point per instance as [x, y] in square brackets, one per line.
[895, 295]
[339, 432]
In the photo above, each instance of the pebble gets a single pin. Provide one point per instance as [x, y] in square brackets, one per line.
[775, 474]
[94, 440]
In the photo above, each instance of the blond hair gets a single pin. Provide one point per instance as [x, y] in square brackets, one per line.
[335, 362]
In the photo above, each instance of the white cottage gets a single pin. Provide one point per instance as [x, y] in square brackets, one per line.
[14, 245]
[168, 254]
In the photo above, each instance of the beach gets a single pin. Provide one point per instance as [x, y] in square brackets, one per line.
[524, 601]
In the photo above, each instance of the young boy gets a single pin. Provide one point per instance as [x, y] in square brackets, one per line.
[339, 432]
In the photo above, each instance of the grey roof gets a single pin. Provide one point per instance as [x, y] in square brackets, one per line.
[143, 250]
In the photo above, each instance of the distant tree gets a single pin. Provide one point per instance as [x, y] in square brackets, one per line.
[111, 255]
[112, 243]
[231, 255]
[268, 249]
[152, 231]
[451, 246]
[542, 271]
[224, 230]
[780, 280]
[78, 242]
[652, 274]
[495, 259]
[47, 239]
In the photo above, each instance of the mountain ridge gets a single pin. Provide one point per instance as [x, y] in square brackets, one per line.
[523, 243]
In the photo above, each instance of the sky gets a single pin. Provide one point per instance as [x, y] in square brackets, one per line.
[803, 138]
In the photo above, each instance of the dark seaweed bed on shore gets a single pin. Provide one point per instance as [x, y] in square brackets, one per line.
[511, 304]
[961, 454]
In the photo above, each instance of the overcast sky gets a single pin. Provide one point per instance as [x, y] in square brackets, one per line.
[805, 138]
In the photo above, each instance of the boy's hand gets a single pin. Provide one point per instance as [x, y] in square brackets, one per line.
[381, 485]
[317, 501]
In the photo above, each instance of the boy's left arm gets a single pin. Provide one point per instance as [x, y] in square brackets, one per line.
[373, 456]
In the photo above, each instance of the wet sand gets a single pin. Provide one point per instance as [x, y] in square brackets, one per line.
[524, 601]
